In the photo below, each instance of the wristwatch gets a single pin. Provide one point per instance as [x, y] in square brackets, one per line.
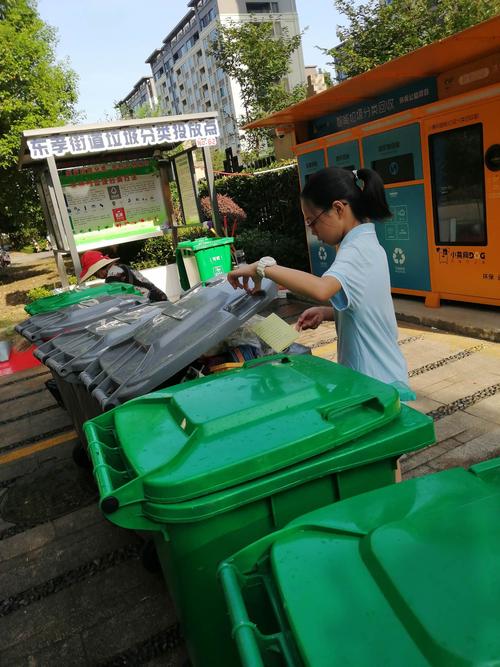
[263, 264]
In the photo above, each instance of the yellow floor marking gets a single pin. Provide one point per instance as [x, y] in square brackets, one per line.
[23, 452]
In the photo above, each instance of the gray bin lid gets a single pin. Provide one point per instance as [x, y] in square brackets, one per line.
[47, 325]
[172, 340]
[70, 353]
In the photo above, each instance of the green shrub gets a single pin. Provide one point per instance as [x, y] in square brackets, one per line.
[38, 293]
[160, 250]
[287, 252]
[271, 200]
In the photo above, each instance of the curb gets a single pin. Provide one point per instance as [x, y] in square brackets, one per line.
[492, 335]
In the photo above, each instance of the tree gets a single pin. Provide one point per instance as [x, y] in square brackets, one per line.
[378, 32]
[258, 61]
[35, 92]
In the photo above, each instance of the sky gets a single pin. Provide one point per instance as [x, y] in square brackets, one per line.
[107, 43]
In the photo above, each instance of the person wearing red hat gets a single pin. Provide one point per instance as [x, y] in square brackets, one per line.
[95, 263]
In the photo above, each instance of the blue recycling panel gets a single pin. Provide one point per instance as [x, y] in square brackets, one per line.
[321, 255]
[396, 155]
[345, 155]
[404, 238]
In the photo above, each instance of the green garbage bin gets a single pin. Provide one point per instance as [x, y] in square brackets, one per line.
[404, 575]
[211, 465]
[49, 303]
[202, 259]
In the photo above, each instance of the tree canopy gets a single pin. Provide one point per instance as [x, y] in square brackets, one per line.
[378, 32]
[35, 91]
[252, 55]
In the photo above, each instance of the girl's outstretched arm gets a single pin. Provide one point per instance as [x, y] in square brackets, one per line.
[300, 282]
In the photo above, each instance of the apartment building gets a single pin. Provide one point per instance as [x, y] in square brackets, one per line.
[143, 94]
[186, 77]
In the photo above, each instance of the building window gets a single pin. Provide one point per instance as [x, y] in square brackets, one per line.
[262, 7]
[457, 178]
[208, 18]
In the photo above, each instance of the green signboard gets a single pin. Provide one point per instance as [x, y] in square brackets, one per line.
[423, 91]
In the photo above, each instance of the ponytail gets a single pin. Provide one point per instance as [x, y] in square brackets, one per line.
[363, 189]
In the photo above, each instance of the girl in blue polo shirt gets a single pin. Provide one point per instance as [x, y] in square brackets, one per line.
[338, 206]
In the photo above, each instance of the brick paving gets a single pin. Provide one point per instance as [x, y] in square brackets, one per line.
[72, 588]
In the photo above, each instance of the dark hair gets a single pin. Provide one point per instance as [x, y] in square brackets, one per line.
[364, 191]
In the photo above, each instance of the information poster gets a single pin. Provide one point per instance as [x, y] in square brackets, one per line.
[188, 196]
[113, 202]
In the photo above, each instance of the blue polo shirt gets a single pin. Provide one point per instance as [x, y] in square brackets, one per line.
[364, 313]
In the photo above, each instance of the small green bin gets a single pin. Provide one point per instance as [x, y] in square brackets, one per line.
[202, 259]
[57, 301]
[405, 575]
[211, 465]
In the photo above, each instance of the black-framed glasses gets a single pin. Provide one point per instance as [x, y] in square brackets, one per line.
[315, 220]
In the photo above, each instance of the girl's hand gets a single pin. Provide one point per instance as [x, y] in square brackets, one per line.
[240, 276]
[310, 318]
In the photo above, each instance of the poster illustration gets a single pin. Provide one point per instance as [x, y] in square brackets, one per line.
[112, 203]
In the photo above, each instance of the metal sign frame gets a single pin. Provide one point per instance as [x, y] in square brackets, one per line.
[51, 149]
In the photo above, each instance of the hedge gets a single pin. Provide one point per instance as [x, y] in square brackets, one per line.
[274, 224]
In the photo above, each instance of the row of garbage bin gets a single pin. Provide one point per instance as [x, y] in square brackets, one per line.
[222, 464]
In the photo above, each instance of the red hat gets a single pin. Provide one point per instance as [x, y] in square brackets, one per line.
[92, 261]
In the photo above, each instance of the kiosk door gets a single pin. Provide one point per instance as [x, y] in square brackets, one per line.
[464, 203]
[321, 255]
[396, 155]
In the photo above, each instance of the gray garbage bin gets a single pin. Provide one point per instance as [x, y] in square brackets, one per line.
[69, 353]
[44, 326]
[163, 347]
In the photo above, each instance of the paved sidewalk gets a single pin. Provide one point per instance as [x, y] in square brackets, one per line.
[456, 379]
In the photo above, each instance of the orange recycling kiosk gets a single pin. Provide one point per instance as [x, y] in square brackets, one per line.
[428, 123]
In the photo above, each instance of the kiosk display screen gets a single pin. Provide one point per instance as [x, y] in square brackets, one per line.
[396, 169]
[457, 168]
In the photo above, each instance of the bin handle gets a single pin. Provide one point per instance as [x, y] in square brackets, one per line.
[108, 478]
[243, 630]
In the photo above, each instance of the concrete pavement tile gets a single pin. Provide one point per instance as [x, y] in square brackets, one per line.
[419, 471]
[56, 557]
[416, 459]
[23, 543]
[33, 426]
[89, 602]
[429, 387]
[116, 634]
[426, 351]
[79, 520]
[461, 426]
[463, 386]
[27, 404]
[423, 403]
[482, 448]
[57, 453]
[68, 652]
[17, 468]
[176, 658]
[488, 408]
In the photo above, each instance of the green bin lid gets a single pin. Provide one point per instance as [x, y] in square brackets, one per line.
[405, 575]
[205, 242]
[204, 436]
[56, 301]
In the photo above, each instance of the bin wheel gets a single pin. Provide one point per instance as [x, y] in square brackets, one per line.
[149, 557]
[80, 457]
